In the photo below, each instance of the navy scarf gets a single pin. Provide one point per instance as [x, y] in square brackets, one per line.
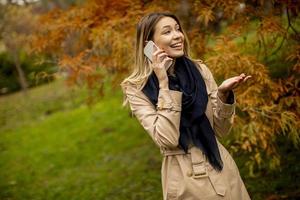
[195, 127]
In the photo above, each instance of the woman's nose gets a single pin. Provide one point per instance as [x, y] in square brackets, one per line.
[176, 35]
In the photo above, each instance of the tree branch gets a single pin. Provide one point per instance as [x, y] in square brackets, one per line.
[279, 47]
[289, 21]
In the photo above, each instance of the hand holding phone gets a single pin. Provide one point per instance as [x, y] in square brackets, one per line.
[149, 50]
[160, 63]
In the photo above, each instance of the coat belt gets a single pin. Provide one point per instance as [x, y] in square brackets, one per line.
[197, 157]
[199, 167]
[173, 152]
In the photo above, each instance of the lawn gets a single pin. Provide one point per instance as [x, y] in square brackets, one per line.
[76, 152]
[54, 146]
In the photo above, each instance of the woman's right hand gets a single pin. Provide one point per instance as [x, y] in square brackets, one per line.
[160, 63]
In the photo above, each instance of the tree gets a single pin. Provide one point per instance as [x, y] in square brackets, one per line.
[97, 39]
[16, 25]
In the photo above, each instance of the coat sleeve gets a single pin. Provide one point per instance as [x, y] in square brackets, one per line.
[223, 113]
[161, 122]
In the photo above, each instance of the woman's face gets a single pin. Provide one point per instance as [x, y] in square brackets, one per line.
[168, 37]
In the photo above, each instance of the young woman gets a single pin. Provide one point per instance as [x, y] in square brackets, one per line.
[179, 104]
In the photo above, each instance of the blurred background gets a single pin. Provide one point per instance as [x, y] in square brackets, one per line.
[64, 133]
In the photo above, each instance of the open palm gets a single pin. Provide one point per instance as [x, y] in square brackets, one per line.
[233, 82]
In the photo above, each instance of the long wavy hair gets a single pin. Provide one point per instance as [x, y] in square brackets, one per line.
[145, 32]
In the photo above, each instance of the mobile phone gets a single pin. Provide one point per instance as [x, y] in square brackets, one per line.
[149, 49]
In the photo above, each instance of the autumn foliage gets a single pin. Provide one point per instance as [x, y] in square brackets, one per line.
[258, 37]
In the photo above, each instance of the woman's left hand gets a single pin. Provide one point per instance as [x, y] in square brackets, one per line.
[230, 84]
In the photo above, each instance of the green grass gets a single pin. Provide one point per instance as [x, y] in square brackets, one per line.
[80, 153]
[53, 146]
[18, 109]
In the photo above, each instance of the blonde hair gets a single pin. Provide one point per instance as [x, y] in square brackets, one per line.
[145, 32]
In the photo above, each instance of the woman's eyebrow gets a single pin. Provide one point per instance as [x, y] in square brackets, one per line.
[168, 26]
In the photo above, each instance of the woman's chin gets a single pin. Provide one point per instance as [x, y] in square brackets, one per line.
[176, 54]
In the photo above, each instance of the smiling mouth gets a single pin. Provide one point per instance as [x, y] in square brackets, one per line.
[177, 45]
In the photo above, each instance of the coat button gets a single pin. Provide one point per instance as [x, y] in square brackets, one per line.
[189, 173]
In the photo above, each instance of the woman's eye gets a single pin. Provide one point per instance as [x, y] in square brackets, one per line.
[169, 31]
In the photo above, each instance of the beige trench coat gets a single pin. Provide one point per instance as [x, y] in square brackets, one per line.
[189, 176]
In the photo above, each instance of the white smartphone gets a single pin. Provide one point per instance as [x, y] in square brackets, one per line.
[149, 49]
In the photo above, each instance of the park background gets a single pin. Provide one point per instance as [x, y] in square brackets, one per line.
[64, 133]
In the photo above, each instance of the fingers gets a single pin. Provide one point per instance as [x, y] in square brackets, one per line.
[159, 55]
[163, 64]
[246, 78]
[157, 52]
[166, 60]
[161, 59]
[238, 79]
[233, 82]
[243, 77]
